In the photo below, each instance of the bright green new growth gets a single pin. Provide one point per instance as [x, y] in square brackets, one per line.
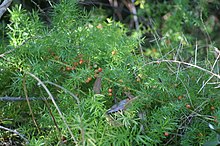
[51, 53]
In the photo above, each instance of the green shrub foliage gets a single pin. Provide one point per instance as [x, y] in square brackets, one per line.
[171, 105]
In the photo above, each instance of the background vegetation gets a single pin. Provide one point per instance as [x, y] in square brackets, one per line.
[70, 61]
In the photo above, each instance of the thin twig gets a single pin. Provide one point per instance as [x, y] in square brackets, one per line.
[188, 119]
[12, 99]
[42, 11]
[205, 84]
[9, 51]
[3, 7]
[75, 97]
[216, 61]
[67, 91]
[185, 63]
[187, 91]
[14, 131]
[196, 51]
[51, 96]
[78, 103]
[29, 105]
[53, 118]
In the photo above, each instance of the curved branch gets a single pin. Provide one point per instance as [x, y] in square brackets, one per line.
[14, 131]
[56, 106]
[3, 7]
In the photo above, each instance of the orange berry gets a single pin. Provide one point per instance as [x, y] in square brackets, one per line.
[166, 134]
[99, 69]
[89, 78]
[81, 62]
[212, 108]
[110, 90]
[109, 94]
[188, 106]
[180, 97]
[68, 68]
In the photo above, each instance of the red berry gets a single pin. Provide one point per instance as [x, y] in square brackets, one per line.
[99, 69]
[166, 134]
[110, 90]
[68, 68]
[188, 106]
[81, 62]
[88, 79]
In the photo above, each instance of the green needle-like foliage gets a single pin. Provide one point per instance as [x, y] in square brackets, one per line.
[73, 52]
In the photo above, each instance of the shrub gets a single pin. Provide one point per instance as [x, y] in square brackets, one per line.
[70, 56]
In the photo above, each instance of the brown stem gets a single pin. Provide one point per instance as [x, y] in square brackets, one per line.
[29, 105]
